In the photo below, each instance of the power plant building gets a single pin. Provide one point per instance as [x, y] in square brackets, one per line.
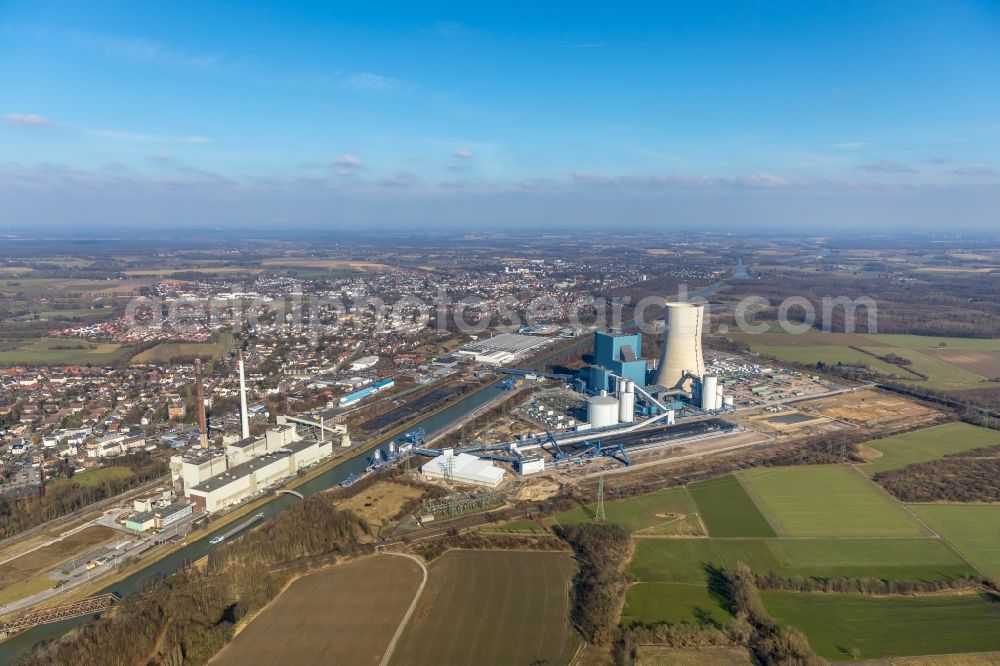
[255, 475]
[616, 355]
[682, 358]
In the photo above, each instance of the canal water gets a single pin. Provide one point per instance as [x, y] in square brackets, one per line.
[9, 650]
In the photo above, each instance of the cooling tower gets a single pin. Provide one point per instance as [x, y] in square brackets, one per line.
[682, 348]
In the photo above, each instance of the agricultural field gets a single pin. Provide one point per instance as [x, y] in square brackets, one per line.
[973, 529]
[653, 655]
[663, 513]
[727, 509]
[674, 560]
[921, 445]
[649, 603]
[925, 559]
[166, 351]
[842, 627]
[61, 351]
[948, 363]
[827, 501]
[350, 610]
[487, 607]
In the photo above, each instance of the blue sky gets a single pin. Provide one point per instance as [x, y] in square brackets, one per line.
[782, 113]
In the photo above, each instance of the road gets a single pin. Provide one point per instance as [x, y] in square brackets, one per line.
[409, 611]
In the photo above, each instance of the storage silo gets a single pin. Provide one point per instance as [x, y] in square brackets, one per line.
[626, 401]
[682, 353]
[602, 410]
[709, 392]
[727, 401]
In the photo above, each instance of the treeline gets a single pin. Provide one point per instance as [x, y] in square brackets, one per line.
[599, 586]
[752, 628]
[434, 548]
[68, 496]
[770, 642]
[871, 586]
[953, 479]
[186, 618]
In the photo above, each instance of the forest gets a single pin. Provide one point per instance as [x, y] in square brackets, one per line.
[971, 476]
[599, 586]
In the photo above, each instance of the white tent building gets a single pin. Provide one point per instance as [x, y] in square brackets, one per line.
[463, 468]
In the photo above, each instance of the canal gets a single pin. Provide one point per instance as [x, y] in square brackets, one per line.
[10, 649]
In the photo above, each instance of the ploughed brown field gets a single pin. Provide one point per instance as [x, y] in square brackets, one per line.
[492, 607]
[343, 615]
[983, 362]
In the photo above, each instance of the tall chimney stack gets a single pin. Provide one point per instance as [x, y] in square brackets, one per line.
[202, 426]
[244, 415]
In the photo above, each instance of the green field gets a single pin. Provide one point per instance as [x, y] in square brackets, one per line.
[887, 559]
[974, 529]
[727, 509]
[654, 655]
[45, 351]
[165, 352]
[94, 477]
[674, 560]
[519, 526]
[927, 444]
[649, 603]
[827, 500]
[841, 627]
[665, 512]
[963, 371]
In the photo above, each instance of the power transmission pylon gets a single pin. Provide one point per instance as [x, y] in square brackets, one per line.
[618, 489]
[599, 516]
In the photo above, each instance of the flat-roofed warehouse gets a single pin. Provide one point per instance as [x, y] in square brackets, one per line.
[463, 468]
[502, 348]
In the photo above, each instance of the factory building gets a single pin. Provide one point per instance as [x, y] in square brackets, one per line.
[252, 447]
[463, 468]
[501, 349]
[616, 355]
[682, 358]
[189, 469]
[256, 475]
[354, 397]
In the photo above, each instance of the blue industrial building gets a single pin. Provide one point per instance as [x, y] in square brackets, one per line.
[352, 398]
[619, 355]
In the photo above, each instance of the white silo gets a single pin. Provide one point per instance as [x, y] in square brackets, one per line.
[682, 348]
[709, 392]
[727, 401]
[602, 410]
[626, 401]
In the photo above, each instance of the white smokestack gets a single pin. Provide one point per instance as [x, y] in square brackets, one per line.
[244, 415]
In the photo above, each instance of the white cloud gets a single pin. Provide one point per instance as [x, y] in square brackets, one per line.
[886, 166]
[376, 83]
[31, 119]
[463, 153]
[347, 161]
[764, 180]
[850, 145]
[141, 50]
[120, 135]
[972, 171]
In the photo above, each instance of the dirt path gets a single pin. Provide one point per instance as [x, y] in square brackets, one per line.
[409, 611]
